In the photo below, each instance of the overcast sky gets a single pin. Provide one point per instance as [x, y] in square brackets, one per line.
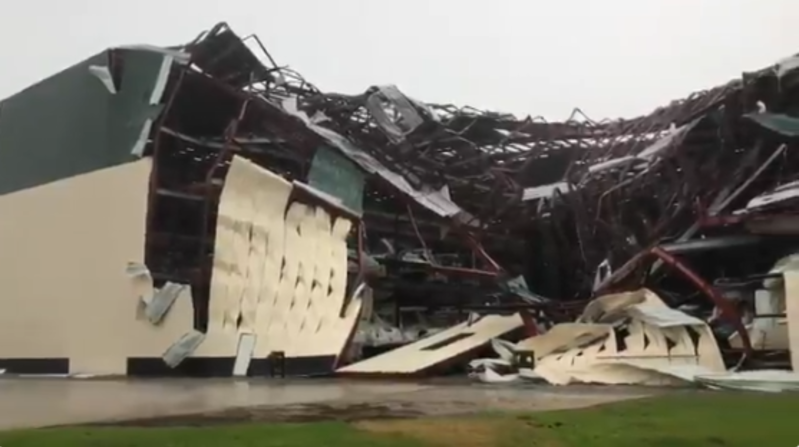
[541, 57]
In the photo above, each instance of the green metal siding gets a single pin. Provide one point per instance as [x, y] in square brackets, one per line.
[70, 124]
[337, 176]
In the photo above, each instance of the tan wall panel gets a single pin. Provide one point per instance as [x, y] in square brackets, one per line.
[434, 349]
[639, 363]
[281, 267]
[65, 247]
[644, 357]
[792, 315]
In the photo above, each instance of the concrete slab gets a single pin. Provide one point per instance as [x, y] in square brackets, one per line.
[438, 399]
[36, 402]
[42, 402]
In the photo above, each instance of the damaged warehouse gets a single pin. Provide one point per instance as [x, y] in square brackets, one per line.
[214, 214]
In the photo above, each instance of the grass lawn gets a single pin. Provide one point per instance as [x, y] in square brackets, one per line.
[679, 420]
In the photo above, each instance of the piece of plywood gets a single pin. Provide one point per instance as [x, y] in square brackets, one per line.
[438, 348]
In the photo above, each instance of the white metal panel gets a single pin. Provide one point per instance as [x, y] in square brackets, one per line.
[437, 348]
[244, 354]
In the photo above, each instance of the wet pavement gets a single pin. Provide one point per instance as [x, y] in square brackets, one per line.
[191, 402]
[42, 402]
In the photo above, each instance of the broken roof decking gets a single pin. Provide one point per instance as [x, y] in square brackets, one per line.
[584, 190]
[619, 186]
[73, 122]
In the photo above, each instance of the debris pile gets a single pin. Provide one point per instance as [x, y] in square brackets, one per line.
[472, 218]
[376, 233]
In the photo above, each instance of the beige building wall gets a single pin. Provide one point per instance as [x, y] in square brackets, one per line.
[64, 248]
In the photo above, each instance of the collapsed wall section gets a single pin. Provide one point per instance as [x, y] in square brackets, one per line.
[625, 338]
[279, 281]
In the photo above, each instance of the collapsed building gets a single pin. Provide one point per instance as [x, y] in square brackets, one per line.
[202, 210]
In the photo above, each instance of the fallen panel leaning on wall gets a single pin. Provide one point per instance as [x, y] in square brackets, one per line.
[438, 349]
[280, 273]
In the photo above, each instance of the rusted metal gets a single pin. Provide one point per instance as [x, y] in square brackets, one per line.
[210, 199]
[152, 194]
[728, 311]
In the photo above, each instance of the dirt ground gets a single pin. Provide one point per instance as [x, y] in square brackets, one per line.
[439, 399]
